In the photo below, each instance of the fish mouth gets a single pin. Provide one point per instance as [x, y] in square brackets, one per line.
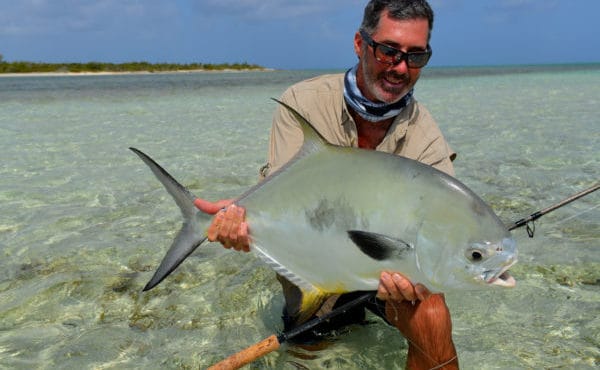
[503, 278]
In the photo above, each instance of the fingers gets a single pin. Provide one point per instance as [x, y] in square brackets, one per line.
[229, 228]
[243, 236]
[234, 216]
[211, 207]
[213, 230]
[394, 286]
[422, 292]
[382, 292]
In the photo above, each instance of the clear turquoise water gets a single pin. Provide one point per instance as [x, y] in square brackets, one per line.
[83, 223]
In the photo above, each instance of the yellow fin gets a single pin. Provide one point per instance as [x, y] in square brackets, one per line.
[311, 302]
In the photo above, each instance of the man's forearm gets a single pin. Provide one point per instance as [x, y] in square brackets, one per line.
[427, 326]
[433, 356]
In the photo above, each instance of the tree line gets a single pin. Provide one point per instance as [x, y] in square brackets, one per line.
[30, 67]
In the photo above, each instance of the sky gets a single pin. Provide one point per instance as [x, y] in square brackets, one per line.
[289, 34]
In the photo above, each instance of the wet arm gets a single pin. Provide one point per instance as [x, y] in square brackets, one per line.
[424, 320]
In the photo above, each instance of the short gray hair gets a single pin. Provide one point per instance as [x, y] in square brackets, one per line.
[398, 9]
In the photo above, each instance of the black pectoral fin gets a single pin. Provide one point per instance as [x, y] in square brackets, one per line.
[378, 246]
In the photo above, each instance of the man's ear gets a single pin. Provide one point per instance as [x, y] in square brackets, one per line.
[358, 40]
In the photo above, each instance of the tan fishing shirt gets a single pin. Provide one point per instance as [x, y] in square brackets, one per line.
[413, 134]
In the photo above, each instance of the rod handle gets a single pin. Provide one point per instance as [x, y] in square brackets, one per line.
[248, 355]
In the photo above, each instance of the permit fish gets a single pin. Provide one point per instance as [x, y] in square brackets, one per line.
[333, 218]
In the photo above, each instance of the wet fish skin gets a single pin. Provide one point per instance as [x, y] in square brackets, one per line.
[334, 217]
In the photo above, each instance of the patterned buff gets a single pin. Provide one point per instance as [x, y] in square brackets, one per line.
[372, 112]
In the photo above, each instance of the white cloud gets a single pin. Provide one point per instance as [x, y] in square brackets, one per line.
[521, 8]
[514, 11]
[447, 4]
[43, 17]
[524, 4]
[272, 9]
[54, 17]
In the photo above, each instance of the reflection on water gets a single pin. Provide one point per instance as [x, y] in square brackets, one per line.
[83, 223]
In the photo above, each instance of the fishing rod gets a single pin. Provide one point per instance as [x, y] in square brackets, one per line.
[273, 342]
[529, 220]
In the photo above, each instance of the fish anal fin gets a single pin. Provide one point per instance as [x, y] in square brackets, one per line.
[378, 246]
[312, 300]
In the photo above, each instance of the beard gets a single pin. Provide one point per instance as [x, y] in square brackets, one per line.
[386, 86]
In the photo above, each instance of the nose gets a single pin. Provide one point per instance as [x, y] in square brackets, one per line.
[401, 67]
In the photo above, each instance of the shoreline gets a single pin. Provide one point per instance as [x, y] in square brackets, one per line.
[116, 73]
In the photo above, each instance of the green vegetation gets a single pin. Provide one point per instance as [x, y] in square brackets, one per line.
[30, 67]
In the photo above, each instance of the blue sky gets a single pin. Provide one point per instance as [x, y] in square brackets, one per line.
[289, 34]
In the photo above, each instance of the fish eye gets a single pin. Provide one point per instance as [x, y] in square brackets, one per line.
[475, 255]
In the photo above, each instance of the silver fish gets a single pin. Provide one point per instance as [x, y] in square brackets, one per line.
[334, 217]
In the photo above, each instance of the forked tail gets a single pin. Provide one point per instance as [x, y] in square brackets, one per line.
[192, 233]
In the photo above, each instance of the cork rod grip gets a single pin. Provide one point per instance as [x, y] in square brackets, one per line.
[248, 355]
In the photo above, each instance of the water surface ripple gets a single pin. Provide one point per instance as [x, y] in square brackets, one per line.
[83, 223]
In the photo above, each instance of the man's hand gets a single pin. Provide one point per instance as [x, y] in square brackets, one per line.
[424, 320]
[396, 288]
[228, 226]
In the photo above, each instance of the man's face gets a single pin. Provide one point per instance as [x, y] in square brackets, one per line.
[386, 83]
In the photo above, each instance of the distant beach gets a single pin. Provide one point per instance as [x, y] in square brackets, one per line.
[116, 73]
[23, 68]
[155, 69]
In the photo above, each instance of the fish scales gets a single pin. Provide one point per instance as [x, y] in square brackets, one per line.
[301, 219]
[333, 218]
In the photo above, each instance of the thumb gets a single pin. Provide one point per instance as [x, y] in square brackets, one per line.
[211, 207]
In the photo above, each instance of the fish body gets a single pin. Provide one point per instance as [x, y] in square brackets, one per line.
[333, 218]
[324, 223]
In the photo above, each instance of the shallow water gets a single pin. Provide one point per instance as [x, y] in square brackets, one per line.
[83, 223]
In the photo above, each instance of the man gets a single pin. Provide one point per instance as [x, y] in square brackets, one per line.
[371, 106]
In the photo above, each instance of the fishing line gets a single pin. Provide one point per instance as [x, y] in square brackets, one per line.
[530, 226]
[579, 214]
[529, 222]
[411, 341]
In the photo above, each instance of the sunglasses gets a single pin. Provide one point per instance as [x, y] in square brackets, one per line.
[388, 55]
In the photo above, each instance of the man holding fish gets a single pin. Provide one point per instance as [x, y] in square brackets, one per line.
[371, 106]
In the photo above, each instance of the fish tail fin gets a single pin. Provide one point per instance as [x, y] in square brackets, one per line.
[192, 232]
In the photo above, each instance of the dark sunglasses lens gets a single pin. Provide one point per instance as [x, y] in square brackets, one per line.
[386, 54]
[418, 60]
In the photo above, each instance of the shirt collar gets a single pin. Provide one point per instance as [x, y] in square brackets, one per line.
[396, 132]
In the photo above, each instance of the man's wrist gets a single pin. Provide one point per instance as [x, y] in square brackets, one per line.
[432, 358]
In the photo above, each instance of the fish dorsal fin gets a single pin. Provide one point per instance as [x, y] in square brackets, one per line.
[313, 140]
[378, 246]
